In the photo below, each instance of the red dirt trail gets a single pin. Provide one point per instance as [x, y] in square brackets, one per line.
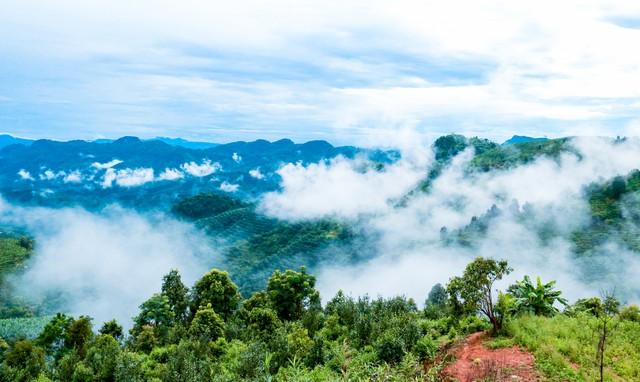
[476, 362]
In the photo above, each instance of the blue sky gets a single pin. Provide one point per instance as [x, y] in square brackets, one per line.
[345, 71]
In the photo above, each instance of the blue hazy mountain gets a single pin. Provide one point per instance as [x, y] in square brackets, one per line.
[197, 145]
[151, 172]
[7, 140]
[521, 139]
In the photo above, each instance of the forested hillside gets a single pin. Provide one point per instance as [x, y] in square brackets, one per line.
[258, 314]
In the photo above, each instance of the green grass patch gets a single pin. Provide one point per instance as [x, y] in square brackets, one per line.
[565, 347]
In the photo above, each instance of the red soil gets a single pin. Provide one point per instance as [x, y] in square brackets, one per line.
[476, 362]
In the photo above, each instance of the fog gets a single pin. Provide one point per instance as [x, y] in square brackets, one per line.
[105, 264]
[411, 255]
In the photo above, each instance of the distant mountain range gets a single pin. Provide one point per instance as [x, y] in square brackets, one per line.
[521, 139]
[150, 172]
[6, 140]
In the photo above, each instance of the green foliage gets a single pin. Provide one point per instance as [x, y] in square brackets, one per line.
[565, 347]
[23, 362]
[473, 291]
[291, 293]
[539, 299]
[206, 326]
[630, 313]
[177, 295]
[155, 314]
[509, 156]
[102, 358]
[205, 205]
[217, 289]
[113, 329]
[284, 334]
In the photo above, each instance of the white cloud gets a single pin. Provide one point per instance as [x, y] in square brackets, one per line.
[25, 175]
[73, 177]
[342, 187]
[407, 236]
[236, 157]
[255, 173]
[105, 264]
[229, 187]
[204, 169]
[170, 174]
[127, 177]
[103, 166]
[48, 175]
[494, 66]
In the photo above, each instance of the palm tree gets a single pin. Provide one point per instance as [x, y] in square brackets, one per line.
[538, 299]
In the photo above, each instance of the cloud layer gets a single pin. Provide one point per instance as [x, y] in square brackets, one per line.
[106, 264]
[411, 255]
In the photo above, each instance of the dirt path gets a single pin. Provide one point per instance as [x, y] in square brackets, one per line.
[476, 362]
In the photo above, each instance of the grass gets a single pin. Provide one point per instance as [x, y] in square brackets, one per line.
[565, 347]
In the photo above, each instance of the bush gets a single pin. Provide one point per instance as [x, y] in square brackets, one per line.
[389, 348]
[630, 313]
[426, 348]
[473, 324]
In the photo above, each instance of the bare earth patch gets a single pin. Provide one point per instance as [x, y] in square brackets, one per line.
[475, 362]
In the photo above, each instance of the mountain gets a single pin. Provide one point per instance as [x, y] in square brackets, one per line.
[7, 140]
[151, 173]
[185, 143]
[521, 139]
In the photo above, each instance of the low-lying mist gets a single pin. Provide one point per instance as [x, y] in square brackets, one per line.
[104, 264]
[546, 194]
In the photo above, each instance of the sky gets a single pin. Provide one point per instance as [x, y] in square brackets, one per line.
[351, 72]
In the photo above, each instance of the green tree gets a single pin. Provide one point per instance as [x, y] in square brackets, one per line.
[473, 291]
[156, 313]
[291, 293]
[206, 326]
[113, 329]
[217, 289]
[436, 302]
[102, 356]
[177, 294]
[538, 299]
[25, 362]
[52, 337]
[78, 335]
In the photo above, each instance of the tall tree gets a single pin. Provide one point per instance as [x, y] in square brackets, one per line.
[606, 325]
[473, 291]
[291, 293]
[217, 289]
[177, 294]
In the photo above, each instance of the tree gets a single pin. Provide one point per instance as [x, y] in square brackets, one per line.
[25, 360]
[156, 313]
[206, 326]
[52, 337]
[436, 301]
[217, 289]
[538, 299]
[177, 294]
[102, 356]
[78, 335]
[473, 292]
[291, 293]
[113, 329]
[606, 324]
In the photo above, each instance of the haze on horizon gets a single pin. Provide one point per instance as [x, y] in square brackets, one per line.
[346, 72]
